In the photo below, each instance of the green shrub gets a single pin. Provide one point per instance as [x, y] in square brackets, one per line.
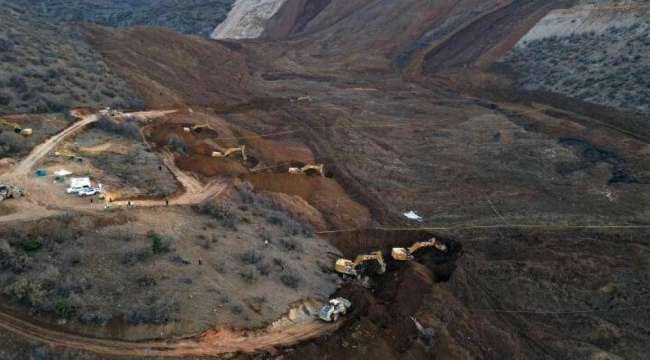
[31, 244]
[60, 308]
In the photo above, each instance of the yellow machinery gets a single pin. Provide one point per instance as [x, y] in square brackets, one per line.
[229, 151]
[196, 128]
[348, 267]
[10, 191]
[404, 254]
[304, 169]
[17, 128]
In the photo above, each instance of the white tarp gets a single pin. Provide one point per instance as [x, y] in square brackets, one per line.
[413, 216]
[62, 173]
[79, 182]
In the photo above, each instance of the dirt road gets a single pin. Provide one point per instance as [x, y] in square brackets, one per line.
[210, 342]
[41, 150]
[31, 209]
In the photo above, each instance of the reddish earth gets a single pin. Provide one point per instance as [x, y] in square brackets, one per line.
[395, 145]
[410, 113]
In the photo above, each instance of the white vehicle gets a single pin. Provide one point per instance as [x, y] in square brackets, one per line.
[76, 189]
[89, 191]
[334, 308]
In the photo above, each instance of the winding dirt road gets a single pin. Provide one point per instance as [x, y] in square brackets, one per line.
[211, 342]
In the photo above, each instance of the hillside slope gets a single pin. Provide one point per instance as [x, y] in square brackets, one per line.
[198, 17]
[597, 53]
[539, 204]
[49, 67]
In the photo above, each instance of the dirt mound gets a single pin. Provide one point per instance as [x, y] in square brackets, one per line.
[379, 325]
[353, 243]
[204, 72]
[210, 167]
[322, 193]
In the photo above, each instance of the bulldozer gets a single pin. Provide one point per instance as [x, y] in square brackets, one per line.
[348, 267]
[229, 151]
[10, 191]
[334, 308]
[17, 129]
[195, 128]
[304, 169]
[406, 254]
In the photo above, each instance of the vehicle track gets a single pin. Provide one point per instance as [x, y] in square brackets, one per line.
[208, 343]
[211, 342]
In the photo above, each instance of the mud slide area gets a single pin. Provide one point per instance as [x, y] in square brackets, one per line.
[480, 35]
[209, 343]
[380, 324]
[324, 194]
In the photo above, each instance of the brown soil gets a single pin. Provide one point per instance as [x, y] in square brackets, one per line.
[169, 71]
[322, 193]
[395, 143]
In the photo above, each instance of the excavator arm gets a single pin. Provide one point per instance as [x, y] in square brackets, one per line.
[403, 254]
[229, 151]
[304, 169]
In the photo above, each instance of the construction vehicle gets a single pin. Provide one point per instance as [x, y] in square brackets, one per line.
[404, 254]
[229, 151]
[304, 169]
[110, 112]
[16, 127]
[348, 267]
[69, 155]
[10, 191]
[196, 128]
[334, 308]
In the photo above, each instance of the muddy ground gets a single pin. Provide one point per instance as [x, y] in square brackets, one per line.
[422, 121]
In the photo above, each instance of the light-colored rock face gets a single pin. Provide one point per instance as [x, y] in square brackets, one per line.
[247, 19]
[595, 17]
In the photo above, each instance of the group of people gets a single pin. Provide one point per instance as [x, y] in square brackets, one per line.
[107, 205]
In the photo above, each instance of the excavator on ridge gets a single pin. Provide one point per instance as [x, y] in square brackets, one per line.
[196, 128]
[16, 127]
[304, 169]
[229, 151]
[406, 254]
[349, 267]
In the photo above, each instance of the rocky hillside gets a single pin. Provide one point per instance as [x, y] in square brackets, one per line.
[197, 17]
[597, 53]
[247, 19]
[49, 67]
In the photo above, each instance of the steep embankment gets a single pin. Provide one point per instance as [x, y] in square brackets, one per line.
[172, 70]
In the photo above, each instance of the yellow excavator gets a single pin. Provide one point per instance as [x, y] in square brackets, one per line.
[16, 127]
[406, 254]
[195, 128]
[348, 267]
[304, 169]
[229, 151]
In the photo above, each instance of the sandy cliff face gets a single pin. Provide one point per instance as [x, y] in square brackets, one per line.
[247, 19]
